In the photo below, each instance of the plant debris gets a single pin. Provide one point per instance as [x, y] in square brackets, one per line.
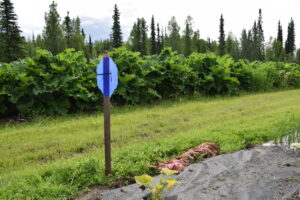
[179, 163]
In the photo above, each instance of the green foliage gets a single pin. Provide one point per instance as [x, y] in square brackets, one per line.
[52, 33]
[188, 33]
[66, 83]
[116, 36]
[40, 159]
[221, 37]
[138, 36]
[214, 75]
[153, 40]
[48, 85]
[290, 41]
[11, 42]
[173, 39]
[162, 186]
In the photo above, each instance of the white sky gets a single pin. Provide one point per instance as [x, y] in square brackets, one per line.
[96, 14]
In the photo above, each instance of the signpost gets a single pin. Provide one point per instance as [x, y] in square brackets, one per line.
[107, 81]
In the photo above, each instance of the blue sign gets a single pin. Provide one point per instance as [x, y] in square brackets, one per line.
[107, 76]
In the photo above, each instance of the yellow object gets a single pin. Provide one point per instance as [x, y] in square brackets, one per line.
[297, 145]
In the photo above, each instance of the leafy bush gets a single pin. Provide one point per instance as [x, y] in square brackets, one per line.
[47, 84]
[214, 74]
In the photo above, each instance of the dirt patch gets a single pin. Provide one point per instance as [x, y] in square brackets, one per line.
[94, 193]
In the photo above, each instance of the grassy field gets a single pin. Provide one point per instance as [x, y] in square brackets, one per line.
[54, 158]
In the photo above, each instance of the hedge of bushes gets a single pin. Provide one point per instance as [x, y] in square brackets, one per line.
[66, 83]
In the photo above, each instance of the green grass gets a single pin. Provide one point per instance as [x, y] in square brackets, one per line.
[54, 158]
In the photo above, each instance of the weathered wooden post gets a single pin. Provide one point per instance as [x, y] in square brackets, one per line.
[107, 81]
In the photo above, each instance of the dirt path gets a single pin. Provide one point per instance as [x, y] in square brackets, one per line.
[260, 173]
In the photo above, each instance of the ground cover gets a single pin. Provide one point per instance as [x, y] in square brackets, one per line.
[54, 158]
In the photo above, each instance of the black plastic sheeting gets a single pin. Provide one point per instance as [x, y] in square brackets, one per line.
[262, 173]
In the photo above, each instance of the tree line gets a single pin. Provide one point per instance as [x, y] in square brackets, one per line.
[59, 34]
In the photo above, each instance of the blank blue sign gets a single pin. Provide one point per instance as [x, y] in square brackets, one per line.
[107, 76]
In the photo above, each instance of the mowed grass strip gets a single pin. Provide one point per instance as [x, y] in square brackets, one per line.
[52, 158]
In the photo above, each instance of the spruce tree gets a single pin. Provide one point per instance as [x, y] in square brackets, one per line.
[11, 41]
[188, 32]
[40, 42]
[260, 37]
[143, 30]
[244, 45]
[279, 33]
[78, 37]
[116, 35]
[158, 40]
[68, 31]
[222, 37]
[232, 46]
[290, 42]
[196, 41]
[90, 48]
[134, 37]
[52, 33]
[298, 56]
[153, 38]
[174, 35]
[251, 54]
[83, 33]
[209, 46]
[30, 48]
[163, 38]
[138, 36]
[254, 43]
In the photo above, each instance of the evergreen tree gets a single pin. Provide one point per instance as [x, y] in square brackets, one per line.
[279, 52]
[153, 38]
[40, 43]
[138, 36]
[52, 33]
[11, 42]
[254, 43]
[196, 41]
[244, 45]
[163, 39]
[158, 40]
[214, 46]
[88, 51]
[30, 47]
[68, 31]
[174, 35]
[144, 30]
[260, 37]
[298, 56]
[83, 33]
[78, 37]
[251, 39]
[188, 32]
[209, 45]
[290, 42]
[116, 29]
[274, 51]
[90, 46]
[279, 33]
[222, 37]
[134, 37]
[102, 46]
[232, 46]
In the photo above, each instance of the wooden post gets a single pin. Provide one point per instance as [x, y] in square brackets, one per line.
[107, 135]
[106, 106]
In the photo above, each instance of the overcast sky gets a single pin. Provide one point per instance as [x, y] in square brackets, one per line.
[96, 14]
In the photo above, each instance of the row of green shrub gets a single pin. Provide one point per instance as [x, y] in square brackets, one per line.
[66, 83]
